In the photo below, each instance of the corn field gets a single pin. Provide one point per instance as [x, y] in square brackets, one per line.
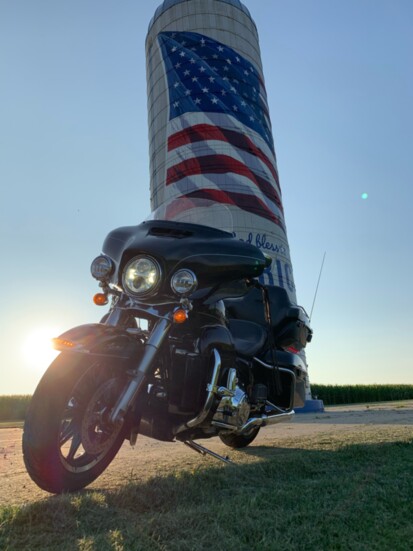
[13, 408]
[356, 394]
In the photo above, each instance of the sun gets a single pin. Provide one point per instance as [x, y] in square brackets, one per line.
[37, 348]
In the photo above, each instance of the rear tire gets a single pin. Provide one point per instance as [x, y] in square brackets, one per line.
[239, 440]
[67, 439]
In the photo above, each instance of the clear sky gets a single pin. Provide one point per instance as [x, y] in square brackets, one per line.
[74, 164]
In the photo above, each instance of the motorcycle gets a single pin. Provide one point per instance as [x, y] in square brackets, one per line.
[193, 347]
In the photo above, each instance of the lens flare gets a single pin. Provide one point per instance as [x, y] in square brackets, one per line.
[364, 196]
[37, 350]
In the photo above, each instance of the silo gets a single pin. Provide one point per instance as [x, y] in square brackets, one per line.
[209, 126]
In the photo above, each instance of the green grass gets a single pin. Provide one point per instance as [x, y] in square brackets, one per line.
[348, 492]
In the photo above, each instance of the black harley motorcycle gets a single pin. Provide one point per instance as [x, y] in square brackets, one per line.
[193, 346]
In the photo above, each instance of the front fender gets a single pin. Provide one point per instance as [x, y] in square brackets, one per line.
[99, 340]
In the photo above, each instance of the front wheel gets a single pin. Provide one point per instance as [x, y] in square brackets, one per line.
[68, 440]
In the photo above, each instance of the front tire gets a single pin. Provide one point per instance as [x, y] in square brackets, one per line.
[67, 439]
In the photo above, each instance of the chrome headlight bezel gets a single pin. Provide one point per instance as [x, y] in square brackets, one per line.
[150, 287]
[102, 267]
[184, 282]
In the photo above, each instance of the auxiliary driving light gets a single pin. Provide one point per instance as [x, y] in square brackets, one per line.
[101, 267]
[184, 282]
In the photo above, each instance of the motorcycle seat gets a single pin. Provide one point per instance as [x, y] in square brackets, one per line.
[248, 337]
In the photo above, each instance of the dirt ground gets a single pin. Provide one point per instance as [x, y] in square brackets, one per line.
[149, 457]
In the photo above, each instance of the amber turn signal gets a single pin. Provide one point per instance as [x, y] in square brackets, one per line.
[62, 344]
[100, 299]
[180, 316]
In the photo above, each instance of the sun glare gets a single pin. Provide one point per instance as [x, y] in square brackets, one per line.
[37, 348]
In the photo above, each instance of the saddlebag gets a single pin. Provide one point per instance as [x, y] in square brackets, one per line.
[290, 323]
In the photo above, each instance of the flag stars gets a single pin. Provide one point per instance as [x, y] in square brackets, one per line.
[229, 61]
[192, 60]
[182, 54]
[233, 89]
[188, 92]
[176, 104]
[215, 56]
[226, 68]
[202, 69]
[237, 59]
[234, 108]
[220, 49]
[176, 84]
[203, 41]
[197, 101]
[187, 73]
[173, 50]
[211, 79]
[177, 66]
[223, 93]
[194, 79]
[214, 100]
[243, 103]
[205, 90]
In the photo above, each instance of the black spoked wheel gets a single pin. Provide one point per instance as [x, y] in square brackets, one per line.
[68, 440]
[239, 440]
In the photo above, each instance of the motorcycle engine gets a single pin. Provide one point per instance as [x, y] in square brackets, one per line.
[234, 407]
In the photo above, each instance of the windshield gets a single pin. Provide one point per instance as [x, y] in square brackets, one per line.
[196, 211]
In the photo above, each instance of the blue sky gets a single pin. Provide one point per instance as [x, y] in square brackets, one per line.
[74, 164]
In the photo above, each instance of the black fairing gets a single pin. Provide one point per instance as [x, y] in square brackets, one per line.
[215, 256]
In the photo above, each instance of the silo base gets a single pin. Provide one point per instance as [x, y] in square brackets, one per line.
[311, 406]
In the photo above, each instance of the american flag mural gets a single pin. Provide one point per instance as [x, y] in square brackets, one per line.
[211, 144]
[220, 144]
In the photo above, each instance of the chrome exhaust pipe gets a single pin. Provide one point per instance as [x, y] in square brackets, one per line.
[265, 420]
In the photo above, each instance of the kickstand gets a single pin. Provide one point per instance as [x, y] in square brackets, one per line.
[204, 451]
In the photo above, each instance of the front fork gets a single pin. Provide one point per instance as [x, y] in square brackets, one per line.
[141, 372]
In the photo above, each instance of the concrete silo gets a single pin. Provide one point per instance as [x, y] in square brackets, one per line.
[209, 126]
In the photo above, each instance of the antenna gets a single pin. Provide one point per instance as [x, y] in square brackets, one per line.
[318, 283]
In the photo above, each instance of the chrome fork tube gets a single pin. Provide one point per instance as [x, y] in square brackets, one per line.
[151, 349]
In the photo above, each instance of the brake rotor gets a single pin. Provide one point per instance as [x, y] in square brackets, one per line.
[97, 433]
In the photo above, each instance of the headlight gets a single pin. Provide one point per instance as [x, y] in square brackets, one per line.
[141, 275]
[183, 282]
[102, 267]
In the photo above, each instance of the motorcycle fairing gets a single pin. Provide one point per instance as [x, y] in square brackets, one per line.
[99, 340]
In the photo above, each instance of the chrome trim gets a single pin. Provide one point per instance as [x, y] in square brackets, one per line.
[265, 420]
[211, 388]
[262, 421]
